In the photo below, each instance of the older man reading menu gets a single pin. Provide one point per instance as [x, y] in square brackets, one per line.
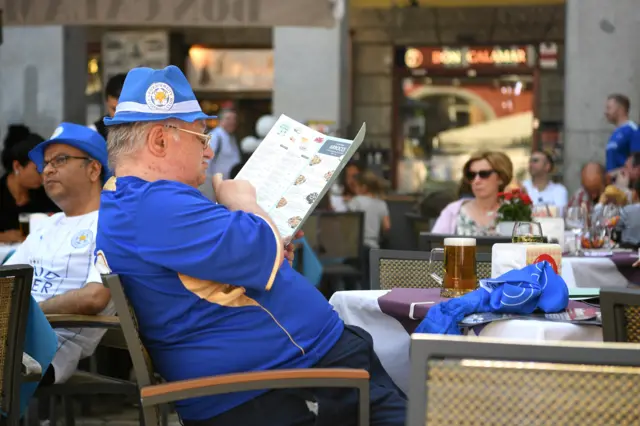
[208, 282]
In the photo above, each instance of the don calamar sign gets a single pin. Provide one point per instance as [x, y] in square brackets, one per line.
[169, 13]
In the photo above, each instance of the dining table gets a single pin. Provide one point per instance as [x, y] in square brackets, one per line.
[391, 338]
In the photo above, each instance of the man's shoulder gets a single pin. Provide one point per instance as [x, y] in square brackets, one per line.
[557, 186]
[136, 188]
[51, 221]
[627, 129]
[143, 201]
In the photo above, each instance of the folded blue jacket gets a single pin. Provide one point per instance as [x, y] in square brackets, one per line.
[520, 291]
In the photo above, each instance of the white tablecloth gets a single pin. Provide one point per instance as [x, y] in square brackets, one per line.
[391, 341]
[592, 272]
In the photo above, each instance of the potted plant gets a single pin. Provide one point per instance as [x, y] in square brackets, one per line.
[515, 206]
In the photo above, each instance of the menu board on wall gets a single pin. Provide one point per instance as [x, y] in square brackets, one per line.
[123, 50]
[230, 70]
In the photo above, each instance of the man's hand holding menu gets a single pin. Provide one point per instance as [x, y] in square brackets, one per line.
[293, 168]
[240, 195]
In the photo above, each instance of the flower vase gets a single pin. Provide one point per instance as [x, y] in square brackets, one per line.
[505, 229]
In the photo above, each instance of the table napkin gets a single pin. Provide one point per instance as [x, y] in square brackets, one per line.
[624, 262]
[520, 291]
[311, 265]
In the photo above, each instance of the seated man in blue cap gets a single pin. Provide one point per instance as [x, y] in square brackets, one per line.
[73, 163]
[209, 283]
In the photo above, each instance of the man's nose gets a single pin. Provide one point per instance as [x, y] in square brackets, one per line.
[47, 170]
[208, 153]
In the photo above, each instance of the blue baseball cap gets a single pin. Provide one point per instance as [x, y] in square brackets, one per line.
[77, 136]
[155, 95]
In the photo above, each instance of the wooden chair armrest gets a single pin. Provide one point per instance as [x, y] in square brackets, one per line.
[85, 321]
[239, 382]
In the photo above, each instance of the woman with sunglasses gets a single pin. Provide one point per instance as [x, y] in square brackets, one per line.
[487, 173]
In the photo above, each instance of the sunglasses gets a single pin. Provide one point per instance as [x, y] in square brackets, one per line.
[482, 174]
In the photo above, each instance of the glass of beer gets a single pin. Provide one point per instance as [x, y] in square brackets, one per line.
[459, 264]
[24, 223]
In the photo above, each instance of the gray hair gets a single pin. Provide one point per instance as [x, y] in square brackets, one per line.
[124, 140]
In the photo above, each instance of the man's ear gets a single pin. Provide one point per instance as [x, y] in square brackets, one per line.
[94, 170]
[156, 141]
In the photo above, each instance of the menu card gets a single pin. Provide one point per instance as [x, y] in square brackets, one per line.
[588, 315]
[293, 168]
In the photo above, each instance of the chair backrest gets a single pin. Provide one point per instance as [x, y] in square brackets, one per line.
[340, 235]
[462, 380]
[402, 236]
[419, 225]
[142, 365]
[410, 269]
[620, 315]
[484, 244]
[15, 293]
[310, 229]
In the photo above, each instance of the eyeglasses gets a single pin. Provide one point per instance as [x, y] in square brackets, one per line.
[482, 174]
[60, 160]
[204, 139]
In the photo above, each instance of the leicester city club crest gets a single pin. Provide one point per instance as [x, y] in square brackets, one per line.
[82, 238]
[57, 132]
[160, 96]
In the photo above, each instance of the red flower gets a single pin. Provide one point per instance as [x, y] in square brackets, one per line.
[526, 200]
[500, 194]
[508, 196]
[515, 191]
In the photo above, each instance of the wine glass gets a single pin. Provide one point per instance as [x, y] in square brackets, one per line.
[527, 232]
[575, 221]
[610, 218]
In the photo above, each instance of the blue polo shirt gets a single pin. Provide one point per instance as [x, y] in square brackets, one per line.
[211, 292]
[624, 141]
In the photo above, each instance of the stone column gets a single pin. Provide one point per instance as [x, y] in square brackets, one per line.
[43, 74]
[312, 73]
[602, 57]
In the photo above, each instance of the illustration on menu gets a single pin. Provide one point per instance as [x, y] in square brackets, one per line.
[293, 168]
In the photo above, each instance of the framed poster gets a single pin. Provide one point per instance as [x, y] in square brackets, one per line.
[123, 50]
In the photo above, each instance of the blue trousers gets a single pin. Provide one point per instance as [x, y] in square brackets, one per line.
[336, 407]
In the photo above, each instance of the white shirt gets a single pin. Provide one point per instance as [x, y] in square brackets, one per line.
[61, 252]
[554, 194]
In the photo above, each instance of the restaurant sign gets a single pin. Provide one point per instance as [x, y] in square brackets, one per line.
[169, 13]
[468, 57]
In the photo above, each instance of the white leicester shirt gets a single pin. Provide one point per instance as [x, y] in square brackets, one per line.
[61, 252]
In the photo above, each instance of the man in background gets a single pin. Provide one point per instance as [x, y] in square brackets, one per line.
[625, 139]
[630, 173]
[73, 164]
[593, 179]
[111, 96]
[541, 189]
[226, 153]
